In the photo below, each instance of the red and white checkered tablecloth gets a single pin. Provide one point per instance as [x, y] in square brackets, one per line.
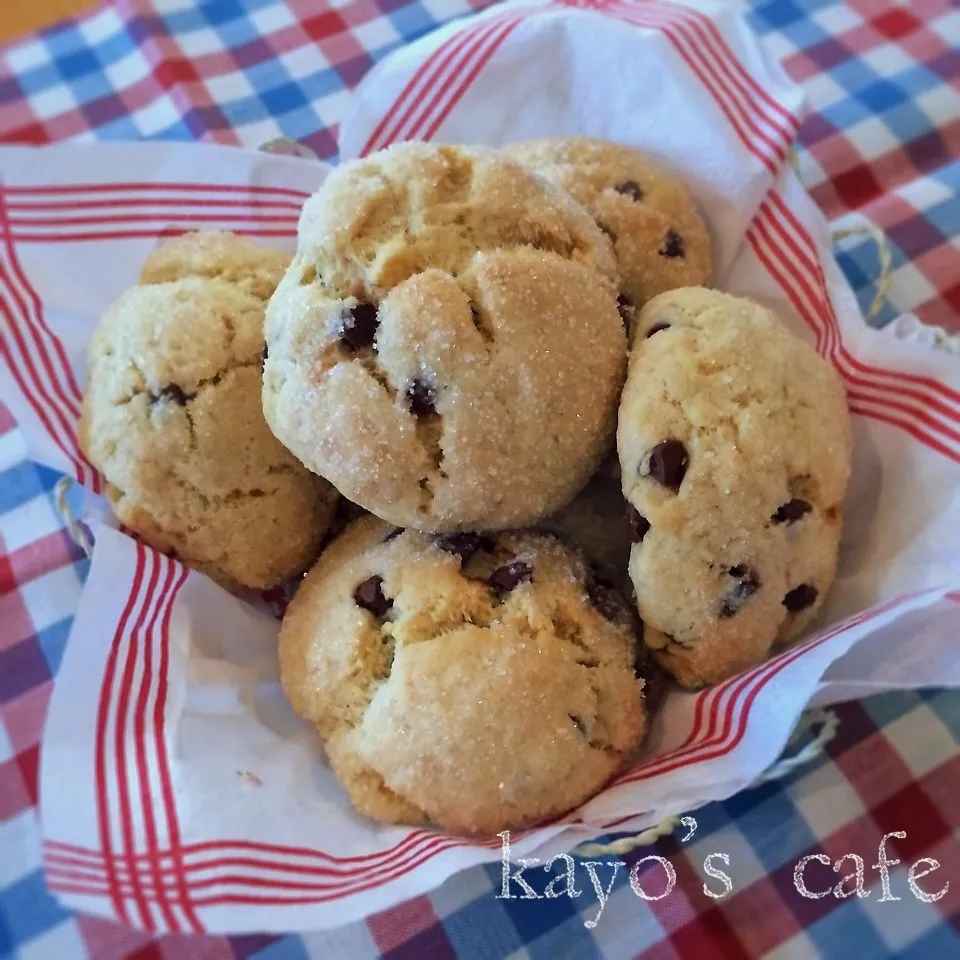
[880, 147]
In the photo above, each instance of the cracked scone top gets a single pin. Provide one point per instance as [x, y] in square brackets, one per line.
[735, 450]
[478, 683]
[658, 237]
[445, 347]
[221, 255]
[172, 417]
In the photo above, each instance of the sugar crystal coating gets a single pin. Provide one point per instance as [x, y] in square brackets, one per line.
[660, 241]
[475, 709]
[455, 360]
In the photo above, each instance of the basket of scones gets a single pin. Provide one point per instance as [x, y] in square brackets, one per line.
[452, 505]
[523, 468]
[517, 482]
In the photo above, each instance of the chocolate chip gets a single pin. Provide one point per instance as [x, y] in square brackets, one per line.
[369, 595]
[465, 545]
[392, 535]
[639, 525]
[668, 463]
[506, 578]
[422, 399]
[791, 511]
[170, 392]
[801, 597]
[358, 326]
[745, 585]
[631, 189]
[605, 599]
[625, 309]
[672, 245]
[656, 328]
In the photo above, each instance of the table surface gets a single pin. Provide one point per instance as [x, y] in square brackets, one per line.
[880, 146]
[19, 19]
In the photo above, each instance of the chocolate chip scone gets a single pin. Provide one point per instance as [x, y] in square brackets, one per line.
[476, 683]
[660, 241]
[446, 347]
[218, 254]
[735, 449]
[172, 417]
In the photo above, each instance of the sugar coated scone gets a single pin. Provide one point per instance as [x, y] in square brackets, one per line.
[446, 347]
[479, 683]
[735, 449]
[660, 241]
[172, 418]
[248, 266]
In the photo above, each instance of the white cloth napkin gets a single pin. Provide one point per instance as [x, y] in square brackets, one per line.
[178, 791]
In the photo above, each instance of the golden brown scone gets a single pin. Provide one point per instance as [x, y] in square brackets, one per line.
[659, 239]
[172, 417]
[735, 450]
[446, 347]
[248, 266]
[477, 683]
